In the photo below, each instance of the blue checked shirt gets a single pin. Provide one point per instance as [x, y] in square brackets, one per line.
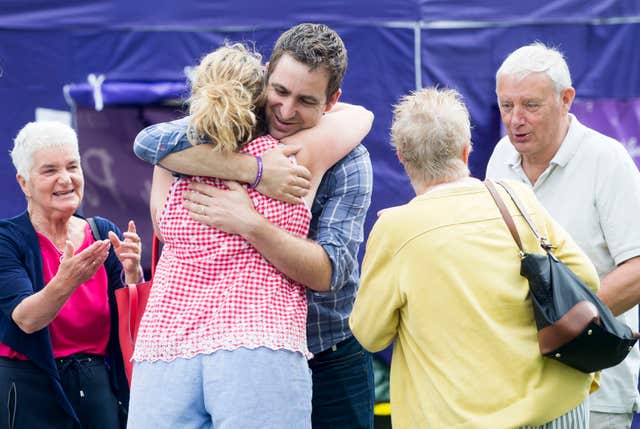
[338, 211]
[157, 141]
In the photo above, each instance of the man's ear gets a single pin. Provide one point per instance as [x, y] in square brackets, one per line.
[566, 97]
[399, 155]
[333, 100]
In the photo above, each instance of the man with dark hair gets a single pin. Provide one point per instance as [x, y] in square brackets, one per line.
[314, 45]
[303, 82]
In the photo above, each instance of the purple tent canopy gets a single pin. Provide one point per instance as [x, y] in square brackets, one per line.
[127, 93]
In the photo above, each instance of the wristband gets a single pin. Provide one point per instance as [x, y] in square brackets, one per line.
[256, 182]
[123, 275]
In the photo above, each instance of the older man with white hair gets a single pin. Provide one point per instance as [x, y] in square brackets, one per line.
[588, 183]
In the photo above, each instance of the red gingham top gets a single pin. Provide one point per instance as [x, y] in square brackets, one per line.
[213, 290]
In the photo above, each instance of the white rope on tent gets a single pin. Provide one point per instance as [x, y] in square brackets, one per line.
[96, 83]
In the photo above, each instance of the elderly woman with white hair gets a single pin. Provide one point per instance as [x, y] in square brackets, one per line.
[60, 360]
[441, 275]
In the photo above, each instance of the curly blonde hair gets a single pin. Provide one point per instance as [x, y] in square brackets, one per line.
[227, 98]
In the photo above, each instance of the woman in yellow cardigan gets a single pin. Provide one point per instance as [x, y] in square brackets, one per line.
[441, 275]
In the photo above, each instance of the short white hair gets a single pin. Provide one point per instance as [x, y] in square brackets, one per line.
[40, 135]
[537, 58]
[431, 128]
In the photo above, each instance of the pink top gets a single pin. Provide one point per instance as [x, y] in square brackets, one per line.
[83, 323]
[213, 290]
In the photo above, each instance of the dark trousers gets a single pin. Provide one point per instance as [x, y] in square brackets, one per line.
[27, 397]
[343, 388]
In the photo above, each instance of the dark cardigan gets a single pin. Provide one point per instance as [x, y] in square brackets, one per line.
[21, 276]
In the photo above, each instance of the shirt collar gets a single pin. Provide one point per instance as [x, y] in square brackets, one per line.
[569, 145]
[513, 161]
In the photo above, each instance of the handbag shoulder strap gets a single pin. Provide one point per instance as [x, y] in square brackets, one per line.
[155, 254]
[94, 228]
[544, 243]
[521, 208]
[504, 211]
[542, 240]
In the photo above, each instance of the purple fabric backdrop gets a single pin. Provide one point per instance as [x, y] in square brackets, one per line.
[117, 183]
[619, 119]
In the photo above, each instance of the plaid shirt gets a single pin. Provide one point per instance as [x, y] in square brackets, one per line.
[337, 224]
[338, 212]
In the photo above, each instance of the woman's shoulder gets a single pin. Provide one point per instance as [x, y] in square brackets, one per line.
[17, 225]
[527, 198]
[521, 190]
[103, 225]
[260, 144]
[17, 234]
[99, 220]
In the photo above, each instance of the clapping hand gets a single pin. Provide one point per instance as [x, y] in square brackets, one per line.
[76, 269]
[128, 252]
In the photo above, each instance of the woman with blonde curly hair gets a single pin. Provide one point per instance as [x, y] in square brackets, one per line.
[224, 331]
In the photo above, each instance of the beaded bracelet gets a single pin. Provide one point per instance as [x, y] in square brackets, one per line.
[256, 182]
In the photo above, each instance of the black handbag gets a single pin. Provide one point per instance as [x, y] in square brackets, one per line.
[574, 326]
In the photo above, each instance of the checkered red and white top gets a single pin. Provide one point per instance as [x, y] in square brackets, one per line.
[213, 290]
